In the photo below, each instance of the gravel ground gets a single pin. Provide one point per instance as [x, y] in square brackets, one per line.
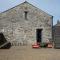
[28, 53]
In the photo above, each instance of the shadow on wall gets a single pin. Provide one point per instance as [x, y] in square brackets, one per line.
[4, 44]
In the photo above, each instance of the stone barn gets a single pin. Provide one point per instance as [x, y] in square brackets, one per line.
[56, 31]
[26, 24]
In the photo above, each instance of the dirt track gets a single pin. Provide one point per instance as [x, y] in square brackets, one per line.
[27, 53]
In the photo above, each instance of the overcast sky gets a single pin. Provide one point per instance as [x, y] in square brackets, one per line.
[50, 6]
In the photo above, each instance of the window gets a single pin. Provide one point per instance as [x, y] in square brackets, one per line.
[26, 14]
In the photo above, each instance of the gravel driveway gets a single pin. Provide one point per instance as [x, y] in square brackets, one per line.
[28, 53]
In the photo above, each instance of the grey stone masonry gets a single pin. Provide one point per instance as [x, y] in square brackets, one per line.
[19, 30]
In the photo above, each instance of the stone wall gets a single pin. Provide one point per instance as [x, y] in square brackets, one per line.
[19, 30]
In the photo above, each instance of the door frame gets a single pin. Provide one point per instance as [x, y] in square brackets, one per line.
[39, 39]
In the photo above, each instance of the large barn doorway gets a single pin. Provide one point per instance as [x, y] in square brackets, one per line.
[39, 35]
